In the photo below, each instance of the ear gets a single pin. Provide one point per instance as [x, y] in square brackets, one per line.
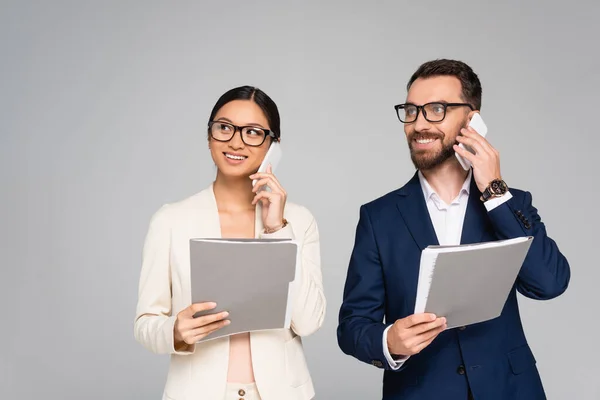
[469, 116]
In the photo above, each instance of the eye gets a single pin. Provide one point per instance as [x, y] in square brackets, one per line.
[437, 108]
[224, 127]
[255, 132]
[410, 110]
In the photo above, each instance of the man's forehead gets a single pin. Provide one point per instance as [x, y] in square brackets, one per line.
[438, 88]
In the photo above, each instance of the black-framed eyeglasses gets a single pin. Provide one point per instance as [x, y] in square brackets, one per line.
[251, 135]
[433, 112]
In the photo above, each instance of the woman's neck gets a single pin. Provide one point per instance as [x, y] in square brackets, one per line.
[233, 194]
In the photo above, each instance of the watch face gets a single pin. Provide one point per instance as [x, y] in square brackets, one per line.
[498, 187]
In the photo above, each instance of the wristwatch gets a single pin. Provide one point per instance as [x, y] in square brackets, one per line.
[495, 188]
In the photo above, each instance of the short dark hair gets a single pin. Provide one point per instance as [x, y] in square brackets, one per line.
[471, 86]
[266, 104]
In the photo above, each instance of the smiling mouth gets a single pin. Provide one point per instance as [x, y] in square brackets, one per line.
[235, 157]
[425, 140]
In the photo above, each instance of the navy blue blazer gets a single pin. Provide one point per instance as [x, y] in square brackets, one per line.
[492, 357]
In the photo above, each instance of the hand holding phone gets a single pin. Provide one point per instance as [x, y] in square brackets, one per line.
[272, 157]
[479, 126]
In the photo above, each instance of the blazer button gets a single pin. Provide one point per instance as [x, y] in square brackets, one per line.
[241, 392]
[377, 363]
[519, 213]
[460, 370]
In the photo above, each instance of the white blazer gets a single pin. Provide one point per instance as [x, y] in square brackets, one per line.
[199, 372]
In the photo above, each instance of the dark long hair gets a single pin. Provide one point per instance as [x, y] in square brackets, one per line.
[266, 104]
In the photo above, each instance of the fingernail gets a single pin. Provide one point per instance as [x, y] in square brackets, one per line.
[227, 322]
[433, 317]
[225, 314]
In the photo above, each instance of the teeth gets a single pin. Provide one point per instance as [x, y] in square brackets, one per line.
[235, 157]
[425, 141]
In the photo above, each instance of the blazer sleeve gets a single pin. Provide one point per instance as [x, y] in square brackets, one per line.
[360, 328]
[545, 273]
[153, 325]
[309, 305]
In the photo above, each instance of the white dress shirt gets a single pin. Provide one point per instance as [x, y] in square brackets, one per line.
[447, 222]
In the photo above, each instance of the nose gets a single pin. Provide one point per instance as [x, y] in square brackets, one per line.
[421, 124]
[236, 141]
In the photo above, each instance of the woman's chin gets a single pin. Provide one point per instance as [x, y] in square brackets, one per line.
[237, 171]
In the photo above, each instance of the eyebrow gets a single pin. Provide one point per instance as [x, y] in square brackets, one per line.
[249, 124]
[434, 101]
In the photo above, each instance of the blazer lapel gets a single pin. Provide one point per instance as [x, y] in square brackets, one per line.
[205, 223]
[413, 209]
[476, 220]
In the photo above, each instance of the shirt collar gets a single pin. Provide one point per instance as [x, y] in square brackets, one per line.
[429, 192]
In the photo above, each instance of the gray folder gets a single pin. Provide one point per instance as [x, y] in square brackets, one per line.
[252, 279]
[470, 283]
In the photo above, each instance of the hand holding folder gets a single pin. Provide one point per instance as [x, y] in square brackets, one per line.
[189, 329]
[469, 283]
[251, 279]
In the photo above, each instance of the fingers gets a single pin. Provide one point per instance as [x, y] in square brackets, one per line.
[465, 153]
[274, 185]
[430, 334]
[427, 327]
[269, 179]
[200, 333]
[427, 339]
[187, 328]
[208, 319]
[474, 144]
[270, 196]
[271, 182]
[415, 342]
[416, 319]
[198, 307]
[470, 133]
[415, 332]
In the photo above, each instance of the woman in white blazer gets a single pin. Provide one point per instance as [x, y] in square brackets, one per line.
[267, 365]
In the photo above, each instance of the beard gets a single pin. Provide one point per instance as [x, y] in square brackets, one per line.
[424, 160]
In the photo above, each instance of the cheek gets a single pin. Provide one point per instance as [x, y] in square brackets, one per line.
[450, 131]
[258, 155]
[215, 148]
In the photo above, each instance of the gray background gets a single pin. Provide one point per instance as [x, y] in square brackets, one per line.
[102, 114]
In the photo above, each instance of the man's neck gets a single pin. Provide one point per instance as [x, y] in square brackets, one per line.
[446, 179]
[233, 195]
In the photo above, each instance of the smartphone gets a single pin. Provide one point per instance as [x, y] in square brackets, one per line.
[479, 126]
[272, 157]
